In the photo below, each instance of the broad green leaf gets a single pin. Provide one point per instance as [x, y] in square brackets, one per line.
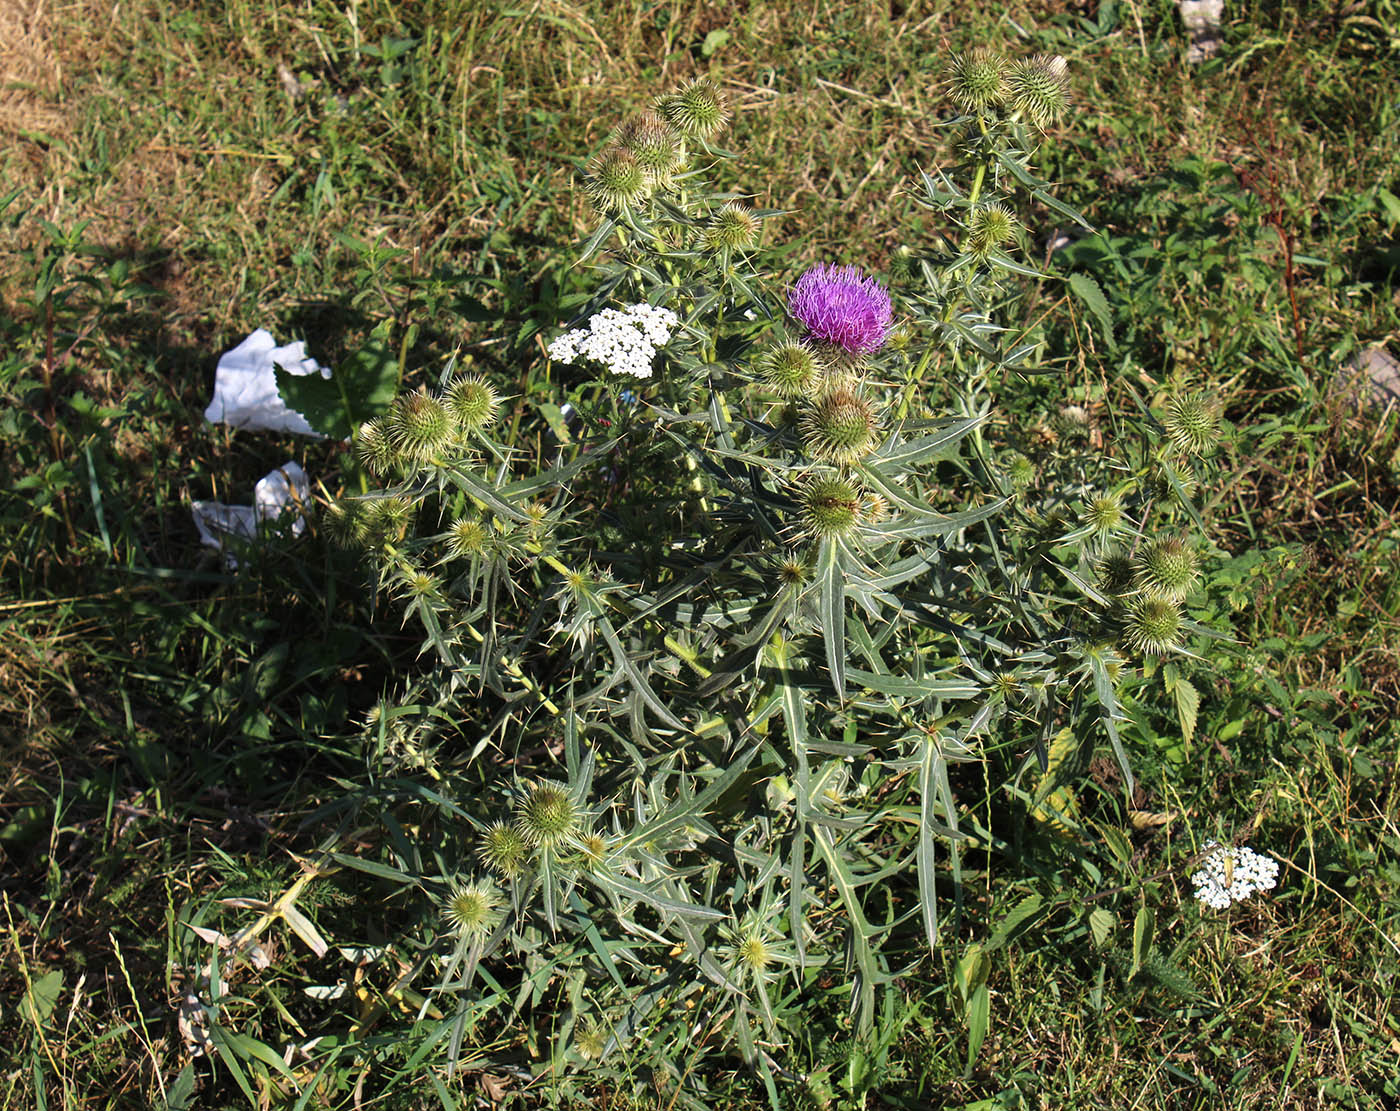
[1027, 910]
[1101, 924]
[1144, 925]
[360, 388]
[1089, 293]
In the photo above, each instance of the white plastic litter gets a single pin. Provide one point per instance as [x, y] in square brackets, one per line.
[276, 493]
[245, 385]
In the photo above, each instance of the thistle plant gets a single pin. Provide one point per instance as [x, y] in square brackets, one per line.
[780, 583]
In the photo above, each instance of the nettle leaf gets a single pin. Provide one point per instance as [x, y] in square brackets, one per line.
[1092, 298]
[361, 388]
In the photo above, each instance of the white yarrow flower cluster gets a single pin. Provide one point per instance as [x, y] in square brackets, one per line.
[1230, 875]
[623, 340]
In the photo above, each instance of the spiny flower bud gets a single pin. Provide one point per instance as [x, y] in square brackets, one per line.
[1152, 627]
[467, 538]
[698, 109]
[388, 518]
[1116, 572]
[1103, 515]
[988, 227]
[655, 146]
[472, 403]
[1192, 423]
[1020, 472]
[374, 448]
[546, 817]
[345, 523]
[417, 583]
[752, 954]
[978, 80]
[616, 181]
[734, 226]
[1184, 487]
[503, 850]
[840, 428]
[830, 507]
[472, 909]
[419, 426]
[590, 1040]
[789, 369]
[1167, 569]
[1039, 89]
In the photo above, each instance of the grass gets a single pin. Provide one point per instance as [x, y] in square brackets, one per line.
[172, 733]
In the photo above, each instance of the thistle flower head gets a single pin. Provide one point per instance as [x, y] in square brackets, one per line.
[472, 909]
[345, 522]
[388, 518]
[698, 108]
[841, 428]
[733, 227]
[472, 402]
[1192, 422]
[1103, 515]
[1020, 472]
[616, 181]
[1167, 569]
[793, 571]
[417, 583]
[546, 816]
[467, 538]
[593, 849]
[1184, 487]
[590, 1040]
[789, 369]
[1152, 627]
[1038, 89]
[419, 426]
[753, 954]
[830, 507]
[654, 144]
[977, 80]
[1116, 572]
[840, 306]
[988, 227]
[374, 448]
[503, 850]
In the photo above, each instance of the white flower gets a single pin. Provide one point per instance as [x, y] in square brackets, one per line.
[623, 340]
[1230, 875]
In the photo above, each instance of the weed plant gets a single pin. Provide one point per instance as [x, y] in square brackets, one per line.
[778, 601]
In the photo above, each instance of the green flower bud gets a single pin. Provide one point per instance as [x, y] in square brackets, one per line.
[375, 448]
[1103, 515]
[841, 428]
[655, 146]
[472, 403]
[345, 523]
[790, 370]
[387, 519]
[1192, 422]
[1116, 571]
[616, 181]
[546, 817]
[1167, 569]
[1020, 472]
[988, 227]
[698, 109]
[830, 507]
[978, 80]
[733, 227]
[590, 1040]
[473, 910]
[467, 538]
[1152, 627]
[504, 851]
[1038, 89]
[420, 427]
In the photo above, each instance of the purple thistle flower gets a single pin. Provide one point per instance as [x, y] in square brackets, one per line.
[841, 306]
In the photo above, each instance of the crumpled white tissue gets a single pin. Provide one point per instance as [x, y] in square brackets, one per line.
[276, 492]
[245, 385]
